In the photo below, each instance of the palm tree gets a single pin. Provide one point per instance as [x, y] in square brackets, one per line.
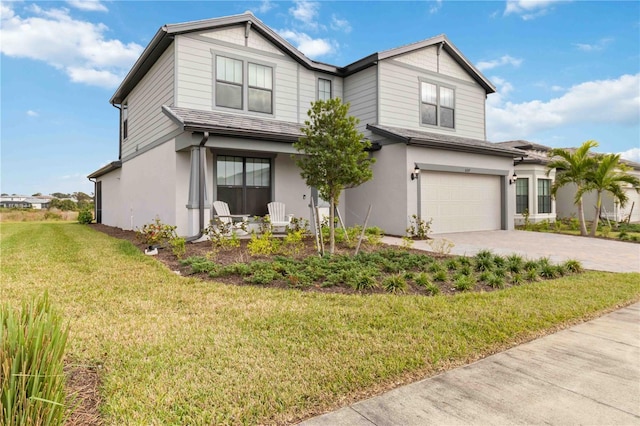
[609, 176]
[573, 168]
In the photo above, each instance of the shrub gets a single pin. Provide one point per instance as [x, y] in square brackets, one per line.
[178, 246]
[264, 244]
[441, 276]
[435, 267]
[441, 245]
[156, 233]
[293, 242]
[451, 264]
[499, 261]
[200, 264]
[363, 281]
[32, 379]
[484, 263]
[463, 283]
[606, 230]
[532, 274]
[517, 278]
[85, 216]
[495, 281]
[418, 228]
[374, 235]
[573, 266]
[432, 289]
[465, 270]
[514, 263]
[422, 279]
[395, 284]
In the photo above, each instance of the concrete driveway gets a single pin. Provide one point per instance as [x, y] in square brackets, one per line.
[594, 253]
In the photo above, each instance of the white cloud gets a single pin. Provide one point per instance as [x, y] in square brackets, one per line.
[77, 47]
[338, 24]
[504, 60]
[306, 11]
[435, 6]
[32, 113]
[264, 7]
[307, 45]
[632, 154]
[529, 9]
[614, 101]
[600, 45]
[88, 5]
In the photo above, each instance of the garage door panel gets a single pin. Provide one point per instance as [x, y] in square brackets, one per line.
[459, 202]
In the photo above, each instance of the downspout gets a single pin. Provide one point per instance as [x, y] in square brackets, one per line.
[201, 185]
[119, 131]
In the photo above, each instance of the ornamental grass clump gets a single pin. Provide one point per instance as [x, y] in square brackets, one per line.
[32, 380]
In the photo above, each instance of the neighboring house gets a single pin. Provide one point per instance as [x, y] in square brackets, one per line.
[533, 185]
[532, 193]
[211, 109]
[23, 202]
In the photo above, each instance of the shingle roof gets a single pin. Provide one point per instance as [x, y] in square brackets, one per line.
[220, 123]
[526, 145]
[448, 142]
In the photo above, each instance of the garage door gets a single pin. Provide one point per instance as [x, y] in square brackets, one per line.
[460, 202]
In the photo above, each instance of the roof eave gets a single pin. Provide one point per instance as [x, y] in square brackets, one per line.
[464, 148]
[114, 165]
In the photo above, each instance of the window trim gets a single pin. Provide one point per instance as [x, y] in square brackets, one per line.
[438, 105]
[228, 82]
[245, 83]
[245, 155]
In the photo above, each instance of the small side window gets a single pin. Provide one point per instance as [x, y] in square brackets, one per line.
[125, 121]
[324, 89]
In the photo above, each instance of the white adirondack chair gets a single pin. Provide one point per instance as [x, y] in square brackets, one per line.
[277, 215]
[236, 221]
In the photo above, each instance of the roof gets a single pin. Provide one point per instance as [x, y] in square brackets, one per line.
[165, 35]
[526, 145]
[448, 142]
[106, 169]
[225, 124]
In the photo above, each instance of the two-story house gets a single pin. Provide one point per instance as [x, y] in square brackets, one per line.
[211, 109]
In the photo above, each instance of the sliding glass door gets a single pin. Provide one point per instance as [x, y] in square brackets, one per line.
[244, 183]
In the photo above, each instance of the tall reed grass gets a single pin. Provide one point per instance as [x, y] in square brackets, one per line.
[32, 382]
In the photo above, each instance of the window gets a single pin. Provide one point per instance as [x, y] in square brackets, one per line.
[324, 89]
[437, 105]
[522, 195]
[234, 90]
[260, 88]
[228, 82]
[125, 121]
[544, 195]
[244, 183]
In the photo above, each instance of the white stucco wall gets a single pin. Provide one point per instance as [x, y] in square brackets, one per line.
[533, 172]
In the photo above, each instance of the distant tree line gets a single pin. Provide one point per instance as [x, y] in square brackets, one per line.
[67, 202]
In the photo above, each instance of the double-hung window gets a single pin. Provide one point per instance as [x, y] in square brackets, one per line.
[229, 82]
[544, 195]
[437, 105]
[243, 85]
[522, 195]
[324, 89]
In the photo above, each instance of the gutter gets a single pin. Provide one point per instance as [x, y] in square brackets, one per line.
[119, 130]
[201, 184]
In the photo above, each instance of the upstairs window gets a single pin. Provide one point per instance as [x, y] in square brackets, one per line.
[437, 105]
[243, 85]
[228, 82]
[544, 195]
[324, 89]
[260, 88]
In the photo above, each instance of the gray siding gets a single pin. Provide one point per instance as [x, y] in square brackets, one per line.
[147, 123]
[294, 86]
[360, 90]
[399, 92]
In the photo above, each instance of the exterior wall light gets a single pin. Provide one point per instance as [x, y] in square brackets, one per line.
[513, 179]
[415, 173]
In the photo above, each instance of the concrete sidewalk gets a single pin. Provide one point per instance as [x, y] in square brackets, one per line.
[594, 253]
[588, 374]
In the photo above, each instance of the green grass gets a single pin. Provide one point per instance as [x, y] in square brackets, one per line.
[182, 351]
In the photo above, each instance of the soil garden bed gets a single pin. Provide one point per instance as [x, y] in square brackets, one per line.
[377, 269]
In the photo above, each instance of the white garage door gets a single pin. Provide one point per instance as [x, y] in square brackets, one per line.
[460, 202]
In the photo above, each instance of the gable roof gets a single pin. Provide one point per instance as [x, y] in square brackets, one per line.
[165, 35]
[448, 142]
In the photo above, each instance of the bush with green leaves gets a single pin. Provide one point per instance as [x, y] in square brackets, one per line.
[463, 283]
[263, 245]
[178, 246]
[156, 233]
[32, 380]
[418, 228]
[573, 266]
[85, 216]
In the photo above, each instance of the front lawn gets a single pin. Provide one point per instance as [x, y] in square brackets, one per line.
[621, 231]
[175, 350]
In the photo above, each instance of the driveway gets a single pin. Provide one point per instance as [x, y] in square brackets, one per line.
[594, 253]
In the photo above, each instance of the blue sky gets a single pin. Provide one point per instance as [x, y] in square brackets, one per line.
[565, 71]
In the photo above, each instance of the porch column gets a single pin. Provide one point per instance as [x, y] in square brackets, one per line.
[198, 165]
